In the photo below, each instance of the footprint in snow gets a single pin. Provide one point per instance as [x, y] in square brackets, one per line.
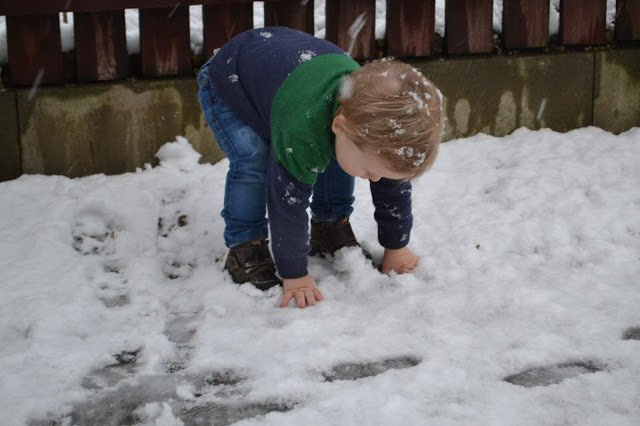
[180, 330]
[117, 401]
[110, 375]
[354, 371]
[174, 237]
[550, 375]
[95, 234]
[553, 374]
[632, 333]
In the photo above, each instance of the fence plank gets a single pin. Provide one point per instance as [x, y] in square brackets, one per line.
[583, 21]
[290, 13]
[627, 20]
[223, 22]
[165, 48]
[351, 25]
[468, 26]
[525, 23]
[410, 27]
[101, 45]
[34, 48]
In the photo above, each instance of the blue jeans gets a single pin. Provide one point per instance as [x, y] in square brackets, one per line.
[245, 190]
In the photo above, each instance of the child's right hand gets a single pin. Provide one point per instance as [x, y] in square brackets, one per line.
[303, 289]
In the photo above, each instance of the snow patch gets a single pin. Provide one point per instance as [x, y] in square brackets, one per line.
[306, 55]
[178, 155]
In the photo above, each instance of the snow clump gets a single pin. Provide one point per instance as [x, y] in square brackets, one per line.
[178, 155]
[346, 88]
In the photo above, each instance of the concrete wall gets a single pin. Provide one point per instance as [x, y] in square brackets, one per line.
[108, 128]
[617, 90]
[113, 128]
[500, 94]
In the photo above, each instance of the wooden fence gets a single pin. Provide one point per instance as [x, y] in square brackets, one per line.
[34, 48]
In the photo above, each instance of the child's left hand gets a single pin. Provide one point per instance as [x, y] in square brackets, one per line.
[400, 260]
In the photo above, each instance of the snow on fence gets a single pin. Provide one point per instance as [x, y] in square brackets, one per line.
[35, 55]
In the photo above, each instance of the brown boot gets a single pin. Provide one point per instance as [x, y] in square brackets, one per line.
[327, 238]
[252, 262]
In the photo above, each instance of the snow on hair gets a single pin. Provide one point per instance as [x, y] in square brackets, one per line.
[395, 111]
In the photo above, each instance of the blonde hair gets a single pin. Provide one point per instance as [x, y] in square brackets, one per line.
[395, 111]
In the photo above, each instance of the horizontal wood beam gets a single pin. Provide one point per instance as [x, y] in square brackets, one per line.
[40, 7]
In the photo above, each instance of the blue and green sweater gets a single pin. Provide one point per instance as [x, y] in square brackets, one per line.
[285, 85]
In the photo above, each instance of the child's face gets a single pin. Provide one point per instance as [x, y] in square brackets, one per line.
[360, 162]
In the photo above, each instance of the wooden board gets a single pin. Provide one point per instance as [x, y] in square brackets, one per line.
[468, 26]
[34, 48]
[583, 21]
[295, 14]
[525, 23]
[410, 27]
[627, 20]
[351, 25]
[101, 45]
[39, 7]
[165, 48]
[222, 22]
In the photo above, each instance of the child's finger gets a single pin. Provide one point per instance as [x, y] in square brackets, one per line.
[311, 298]
[318, 294]
[286, 299]
[299, 295]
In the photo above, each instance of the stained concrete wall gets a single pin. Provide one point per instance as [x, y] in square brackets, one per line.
[500, 94]
[617, 90]
[108, 128]
[114, 128]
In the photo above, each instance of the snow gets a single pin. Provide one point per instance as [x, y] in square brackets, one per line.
[195, 23]
[306, 55]
[179, 155]
[524, 309]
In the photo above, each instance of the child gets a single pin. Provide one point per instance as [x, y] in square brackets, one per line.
[295, 116]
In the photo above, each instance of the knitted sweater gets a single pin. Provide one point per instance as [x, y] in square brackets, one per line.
[285, 85]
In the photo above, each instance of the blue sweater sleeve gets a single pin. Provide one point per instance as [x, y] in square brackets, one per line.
[287, 203]
[392, 201]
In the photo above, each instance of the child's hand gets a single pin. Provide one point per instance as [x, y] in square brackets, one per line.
[303, 289]
[401, 260]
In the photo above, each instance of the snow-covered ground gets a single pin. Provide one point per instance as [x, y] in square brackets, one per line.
[525, 308]
[195, 23]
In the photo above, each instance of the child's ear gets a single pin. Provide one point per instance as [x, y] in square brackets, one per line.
[338, 123]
